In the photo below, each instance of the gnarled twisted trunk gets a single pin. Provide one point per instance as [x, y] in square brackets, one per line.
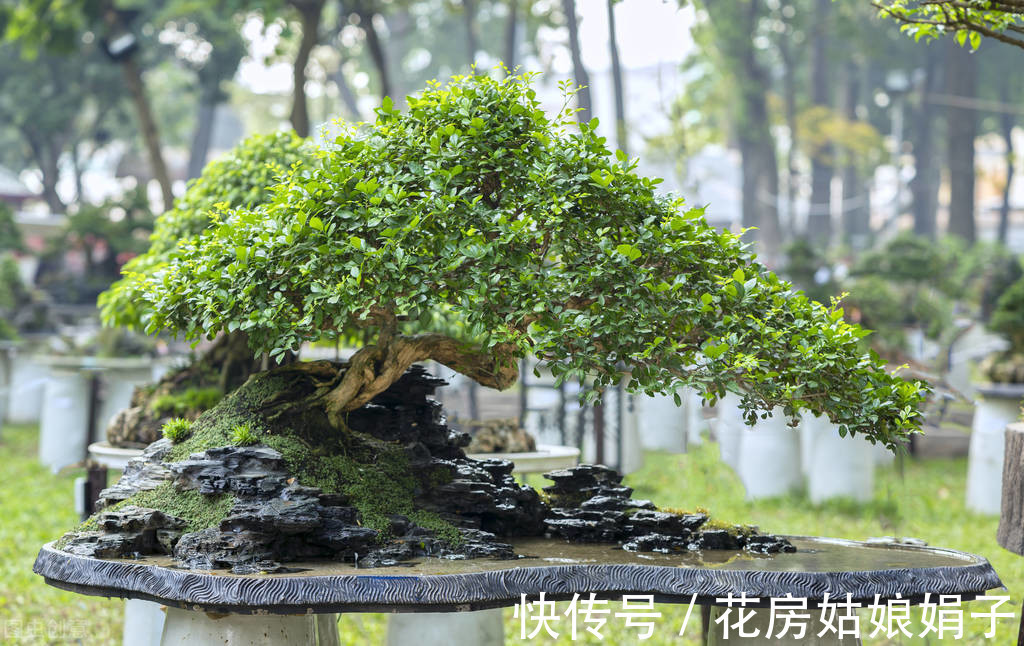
[372, 369]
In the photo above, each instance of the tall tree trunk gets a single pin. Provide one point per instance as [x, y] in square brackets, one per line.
[1006, 123]
[789, 100]
[819, 217]
[856, 222]
[310, 12]
[961, 81]
[583, 100]
[46, 160]
[375, 46]
[472, 42]
[621, 135]
[203, 133]
[76, 168]
[348, 97]
[760, 185]
[150, 133]
[511, 35]
[924, 187]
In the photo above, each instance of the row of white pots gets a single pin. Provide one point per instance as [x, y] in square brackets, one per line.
[773, 459]
[56, 392]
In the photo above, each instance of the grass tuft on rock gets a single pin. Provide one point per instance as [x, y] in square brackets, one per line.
[177, 430]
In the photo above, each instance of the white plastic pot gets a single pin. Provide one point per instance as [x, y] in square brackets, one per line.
[729, 427]
[838, 467]
[119, 383]
[64, 422]
[25, 395]
[998, 406]
[662, 424]
[769, 458]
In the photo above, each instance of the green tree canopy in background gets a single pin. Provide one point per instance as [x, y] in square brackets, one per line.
[239, 179]
[969, 20]
[476, 204]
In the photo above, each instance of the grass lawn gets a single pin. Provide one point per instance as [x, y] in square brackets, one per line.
[925, 502]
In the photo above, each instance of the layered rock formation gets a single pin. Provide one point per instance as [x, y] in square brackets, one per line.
[252, 508]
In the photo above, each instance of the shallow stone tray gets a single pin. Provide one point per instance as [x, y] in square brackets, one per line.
[554, 567]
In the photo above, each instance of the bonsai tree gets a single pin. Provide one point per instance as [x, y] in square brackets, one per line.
[241, 178]
[476, 204]
[905, 284]
[472, 230]
[1008, 320]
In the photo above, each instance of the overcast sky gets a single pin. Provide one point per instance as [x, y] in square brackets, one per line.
[649, 32]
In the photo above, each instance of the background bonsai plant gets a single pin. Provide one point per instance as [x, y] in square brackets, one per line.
[239, 179]
[474, 206]
[1008, 320]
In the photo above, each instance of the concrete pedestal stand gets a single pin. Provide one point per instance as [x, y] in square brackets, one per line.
[759, 624]
[547, 457]
[998, 406]
[769, 458]
[479, 628]
[209, 629]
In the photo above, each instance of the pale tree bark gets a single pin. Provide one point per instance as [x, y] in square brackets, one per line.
[150, 132]
[375, 46]
[310, 12]
[819, 218]
[203, 134]
[621, 135]
[511, 35]
[856, 212]
[961, 81]
[472, 41]
[924, 187]
[760, 184]
[1006, 124]
[789, 101]
[583, 100]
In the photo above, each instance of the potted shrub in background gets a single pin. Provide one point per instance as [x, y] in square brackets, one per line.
[241, 178]
[997, 403]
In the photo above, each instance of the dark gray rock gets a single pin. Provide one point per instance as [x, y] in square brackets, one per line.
[142, 473]
[129, 531]
[765, 544]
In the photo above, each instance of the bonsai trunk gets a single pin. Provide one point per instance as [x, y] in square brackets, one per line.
[372, 369]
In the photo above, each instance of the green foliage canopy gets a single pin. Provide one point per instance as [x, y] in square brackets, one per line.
[239, 179]
[474, 202]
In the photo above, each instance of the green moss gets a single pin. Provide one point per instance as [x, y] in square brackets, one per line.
[177, 429]
[200, 511]
[188, 402]
[374, 475]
